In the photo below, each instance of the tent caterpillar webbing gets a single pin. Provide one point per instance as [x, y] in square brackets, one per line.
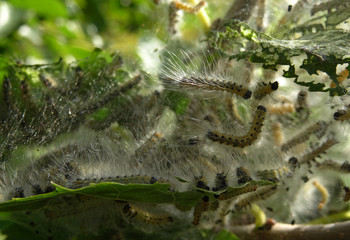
[247, 139]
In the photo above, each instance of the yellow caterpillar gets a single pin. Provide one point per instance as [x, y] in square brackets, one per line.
[324, 194]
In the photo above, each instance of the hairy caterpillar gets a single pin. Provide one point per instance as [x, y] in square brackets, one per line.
[324, 194]
[147, 147]
[201, 207]
[260, 194]
[301, 102]
[347, 194]
[247, 139]
[317, 128]
[220, 182]
[273, 175]
[342, 115]
[199, 76]
[78, 183]
[242, 175]
[279, 109]
[231, 193]
[212, 84]
[318, 150]
[130, 211]
[182, 6]
[277, 133]
[265, 89]
[329, 164]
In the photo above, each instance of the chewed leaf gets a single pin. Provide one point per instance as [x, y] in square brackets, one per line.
[324, 51]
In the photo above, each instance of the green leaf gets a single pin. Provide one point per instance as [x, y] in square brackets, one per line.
[225, 235]
[47, 8]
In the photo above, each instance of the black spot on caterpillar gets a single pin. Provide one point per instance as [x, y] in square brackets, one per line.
[220, 182]
[130, 211]
[290, 9]
[201, 207]
[217, 85]
[342, 115]
[242, 175]
[201, 183]
[265, 89]
[247, 139]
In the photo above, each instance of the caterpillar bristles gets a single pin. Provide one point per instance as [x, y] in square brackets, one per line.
[260, 194]
[318, 128]
[264, 89]
[318, 151]
[274, 175]
[247, 139]
[212, 84]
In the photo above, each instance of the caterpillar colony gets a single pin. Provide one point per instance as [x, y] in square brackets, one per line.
[189, 147]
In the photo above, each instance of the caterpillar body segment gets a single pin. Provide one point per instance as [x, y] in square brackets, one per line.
[245, 140]
[318, 150]
[277, 133]
[187, 8]
[346, 197]
[243, 175]
[324, 194]
[138, 179]
[217, 85]
[260, 194]
[340, 167]
[318, 129]
[220, 182]
[280, 109]
[265, 89]
[342, 115]
[274, 175]
[232, 193]
[301, 102]
[201, 207]
[146, 148]
[130, 211]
